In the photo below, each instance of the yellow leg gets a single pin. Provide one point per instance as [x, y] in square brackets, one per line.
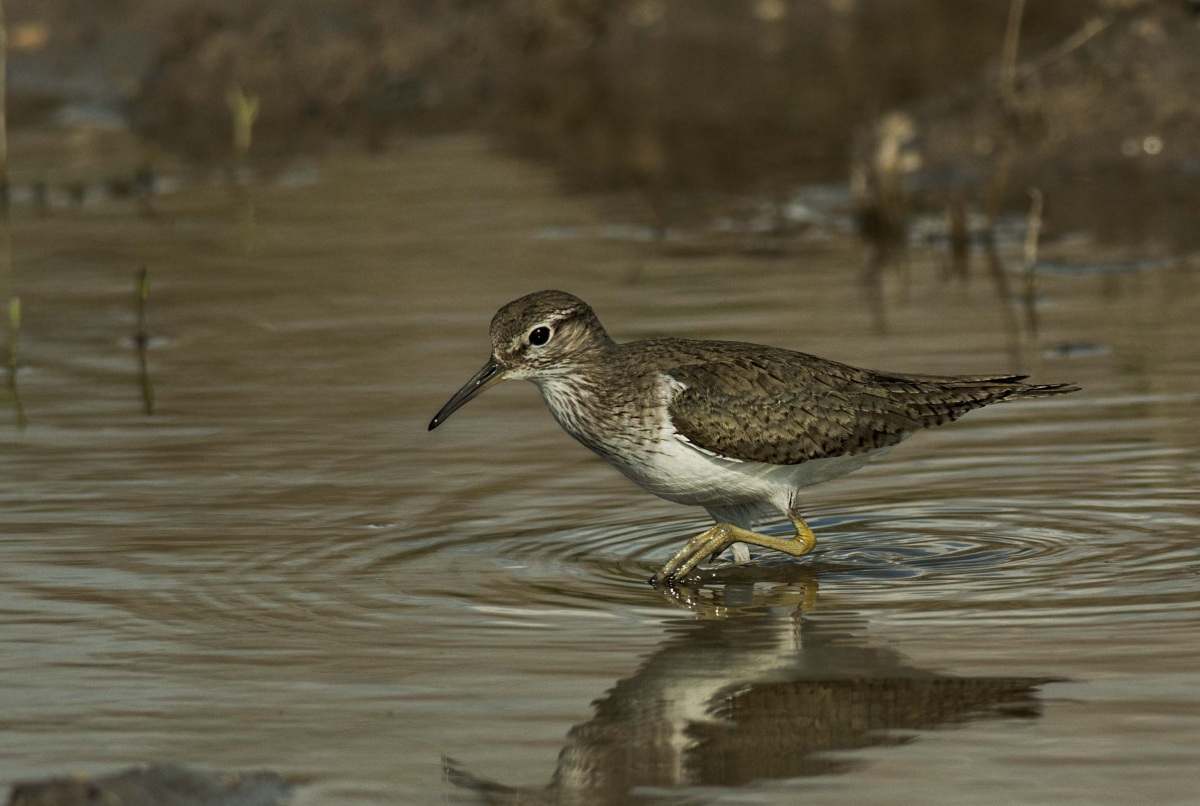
[721, 536]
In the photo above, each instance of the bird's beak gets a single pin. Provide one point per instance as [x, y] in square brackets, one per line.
[491, 374]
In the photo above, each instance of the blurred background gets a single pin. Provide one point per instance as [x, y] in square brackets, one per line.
[680, 112]
[249, 247]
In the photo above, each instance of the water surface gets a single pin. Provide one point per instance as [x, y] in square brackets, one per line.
[280, 568]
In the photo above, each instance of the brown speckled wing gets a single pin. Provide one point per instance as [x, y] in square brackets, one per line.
[768, 405]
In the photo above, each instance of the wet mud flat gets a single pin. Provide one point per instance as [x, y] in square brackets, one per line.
[161, 785]
[280, 569]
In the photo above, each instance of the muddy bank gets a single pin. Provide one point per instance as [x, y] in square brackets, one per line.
[679, 113]
[159, 785]
[1106, 124]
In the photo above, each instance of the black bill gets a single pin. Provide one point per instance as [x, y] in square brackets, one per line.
[490, 375]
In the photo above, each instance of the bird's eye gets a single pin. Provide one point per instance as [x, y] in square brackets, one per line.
[539, 336]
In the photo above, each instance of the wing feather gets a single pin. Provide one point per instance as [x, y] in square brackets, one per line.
[776, 406]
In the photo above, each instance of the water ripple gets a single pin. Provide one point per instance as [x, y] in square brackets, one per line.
[902, 548]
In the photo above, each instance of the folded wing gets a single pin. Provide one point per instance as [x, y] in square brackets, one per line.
[782, 407]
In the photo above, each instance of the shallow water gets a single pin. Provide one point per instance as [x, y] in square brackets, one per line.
[280, 568]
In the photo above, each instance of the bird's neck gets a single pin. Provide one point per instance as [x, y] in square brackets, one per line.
[568, 392]
[577, 399]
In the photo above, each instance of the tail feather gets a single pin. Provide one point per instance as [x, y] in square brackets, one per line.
[998, 387]
[1046, 389]
[935, 400]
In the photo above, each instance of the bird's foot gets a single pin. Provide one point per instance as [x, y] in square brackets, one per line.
[704, 545]
[660, 578]
[669, 581]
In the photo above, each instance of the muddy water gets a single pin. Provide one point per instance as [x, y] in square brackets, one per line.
[280, 568]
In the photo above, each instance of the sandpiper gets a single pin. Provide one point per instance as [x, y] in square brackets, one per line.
[736, 428]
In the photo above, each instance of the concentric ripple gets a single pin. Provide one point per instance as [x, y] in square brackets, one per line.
[922, 540]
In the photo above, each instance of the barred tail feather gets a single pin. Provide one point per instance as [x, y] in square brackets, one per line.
[1046, 389]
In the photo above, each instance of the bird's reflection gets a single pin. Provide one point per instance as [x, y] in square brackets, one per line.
[760, 690]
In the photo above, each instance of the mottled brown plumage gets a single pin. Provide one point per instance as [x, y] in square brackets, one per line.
[763, 404]
[736, 428]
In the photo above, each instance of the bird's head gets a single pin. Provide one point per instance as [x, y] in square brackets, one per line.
[533, 338]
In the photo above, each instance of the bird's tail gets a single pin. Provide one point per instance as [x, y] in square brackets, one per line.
[1003, 387]
[939, 399]
[1045, 389]
[1011, 387]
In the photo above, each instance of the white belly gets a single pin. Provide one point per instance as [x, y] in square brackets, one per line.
[681, 472]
